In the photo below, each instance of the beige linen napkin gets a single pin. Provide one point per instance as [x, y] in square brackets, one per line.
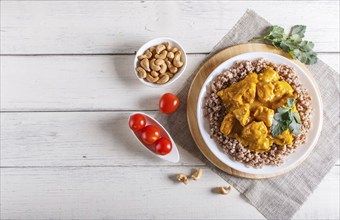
[279, 197]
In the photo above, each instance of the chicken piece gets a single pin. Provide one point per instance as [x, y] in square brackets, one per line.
[242, 114]
[281, 88]
[239, 93]
[286, 138]
[227, 123]
[268, 75]
[264, 114]
[265, 92]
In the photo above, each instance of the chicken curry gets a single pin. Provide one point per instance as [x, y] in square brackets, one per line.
[251, 104]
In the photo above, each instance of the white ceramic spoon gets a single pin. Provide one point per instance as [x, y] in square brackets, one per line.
[173, 156]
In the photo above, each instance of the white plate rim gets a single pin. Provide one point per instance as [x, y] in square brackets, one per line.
[317, 117]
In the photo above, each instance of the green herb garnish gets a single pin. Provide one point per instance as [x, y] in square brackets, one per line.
[285, 118]
[292, 43]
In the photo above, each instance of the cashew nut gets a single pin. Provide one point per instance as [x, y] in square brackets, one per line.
[182, 178]
[158, 62]
[177, 59]
[174, 49]
[141, 57]
[168, 46]
[154, 66]
[145, 64]
[154, 74]
[152, 79]
[141, 72]
[160, 48]
[170, 55]
[163, 79]
[197, 174]
[163, 67]
[162, 55]
[148, 54]
[172, 68]
[170, 74]
[225, 190]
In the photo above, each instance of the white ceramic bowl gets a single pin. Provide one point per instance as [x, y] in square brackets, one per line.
[173, 156]
[301, 152]
[156, 42]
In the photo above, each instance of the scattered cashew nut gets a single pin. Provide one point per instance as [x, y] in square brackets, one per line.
[182, 178]
[145, 64]
[225, 190]
[197, 174]
[141, 72]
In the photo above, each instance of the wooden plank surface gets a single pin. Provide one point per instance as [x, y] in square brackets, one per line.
[75, 139]
[52, 83]
[136, 192]
[73, 59]
[85, 27]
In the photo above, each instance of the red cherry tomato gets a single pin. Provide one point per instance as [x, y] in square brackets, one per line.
[137, 122]
[163, 146]
[150, 134]
[168, 103]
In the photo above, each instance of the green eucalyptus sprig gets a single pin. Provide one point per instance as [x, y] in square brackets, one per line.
[292, 43]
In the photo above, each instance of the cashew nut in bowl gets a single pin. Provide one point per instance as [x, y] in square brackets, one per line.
[160, 48]
[154, 74]
[225, 190]
[145, 64]
[162, 55]
[174, 50]
[172, 68]
[154, 66]
[152, 79]
[168, 46]
[177, 59]
[141, 72]
[158, 62]
[182, 178]
[163, 68]
[164, 79]
[170, 55]
[197, 174]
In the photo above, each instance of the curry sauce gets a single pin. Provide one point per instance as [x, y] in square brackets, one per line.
[251, 104]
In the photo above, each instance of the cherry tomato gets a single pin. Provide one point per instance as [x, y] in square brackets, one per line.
[163, 146]
[137, 122]
[168, 103]
[150, 134]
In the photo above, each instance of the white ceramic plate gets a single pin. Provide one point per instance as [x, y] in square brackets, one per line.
[301, 152]
[173, 156]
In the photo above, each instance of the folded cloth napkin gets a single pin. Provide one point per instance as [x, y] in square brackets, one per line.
[279, 197]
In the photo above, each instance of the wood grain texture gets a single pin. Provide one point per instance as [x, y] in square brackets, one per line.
[137, 193]
[76, 83]
[85, 27]
[45, 139]
[75, 139]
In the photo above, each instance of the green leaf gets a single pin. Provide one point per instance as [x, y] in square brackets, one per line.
[290, 102]
[299, 30]
[293, 43]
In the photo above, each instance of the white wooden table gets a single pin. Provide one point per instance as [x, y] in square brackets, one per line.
[67, 87]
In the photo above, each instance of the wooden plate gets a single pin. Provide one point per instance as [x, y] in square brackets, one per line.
[195, 89]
